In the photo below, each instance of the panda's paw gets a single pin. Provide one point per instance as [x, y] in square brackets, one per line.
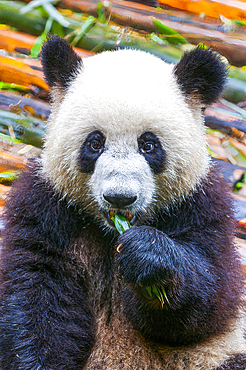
[146, 256]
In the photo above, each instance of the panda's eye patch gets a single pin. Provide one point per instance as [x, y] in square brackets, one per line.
[150, 147]
[90, 151]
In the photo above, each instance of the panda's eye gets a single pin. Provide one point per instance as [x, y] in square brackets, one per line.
[146, 146]
[95, 145]
[150, 147]
[90, 151]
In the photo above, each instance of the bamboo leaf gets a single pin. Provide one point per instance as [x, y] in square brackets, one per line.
[101, 12]
[7, 137]
[149, 290]
[54, 14]
[6, 177]
[158, 293]
[12, 86]
[157, 39]
[120, 222]
[172, 36]
[148, 293]
[49, 8]
[35, 50]
[35, 4]
[89, 23]
[164, 293]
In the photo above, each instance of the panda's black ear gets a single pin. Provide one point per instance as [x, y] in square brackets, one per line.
[60, 63]
[202, 73]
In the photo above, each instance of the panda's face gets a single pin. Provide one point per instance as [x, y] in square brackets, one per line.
[122, 179]
[123, 137]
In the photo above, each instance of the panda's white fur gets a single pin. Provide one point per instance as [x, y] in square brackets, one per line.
[113, 93]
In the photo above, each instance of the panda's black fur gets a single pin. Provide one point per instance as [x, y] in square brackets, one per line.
[69, 300]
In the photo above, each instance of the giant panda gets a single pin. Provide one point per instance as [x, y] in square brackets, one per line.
[125, 135]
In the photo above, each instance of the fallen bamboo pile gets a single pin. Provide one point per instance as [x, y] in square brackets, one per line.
[230, 41]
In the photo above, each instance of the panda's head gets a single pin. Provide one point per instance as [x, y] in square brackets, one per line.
[126, 130]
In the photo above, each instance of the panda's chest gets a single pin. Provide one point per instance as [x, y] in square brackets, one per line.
[117, 346]
[97, 258]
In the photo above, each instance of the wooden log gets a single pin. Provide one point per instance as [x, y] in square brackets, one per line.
[224, 126]
[10, 162]
[28, 129]
[3, 195]
[20, 73]
[234, 9]
[16, 41]
[241, 245]
[13, 159]
[22, 43]
[229, 172]
[39, 109]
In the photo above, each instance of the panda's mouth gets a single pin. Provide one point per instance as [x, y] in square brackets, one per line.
[130, 216]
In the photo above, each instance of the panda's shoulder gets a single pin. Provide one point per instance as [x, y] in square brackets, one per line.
[34, 204]
[207, 207]
[31, 190]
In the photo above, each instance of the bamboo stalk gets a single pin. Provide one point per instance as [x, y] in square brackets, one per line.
[29, 130]
[31, 23]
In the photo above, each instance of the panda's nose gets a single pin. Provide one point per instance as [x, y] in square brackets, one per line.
[120, 201]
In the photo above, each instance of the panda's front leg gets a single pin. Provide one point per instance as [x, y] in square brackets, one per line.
[45, 320]
[148, 257]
